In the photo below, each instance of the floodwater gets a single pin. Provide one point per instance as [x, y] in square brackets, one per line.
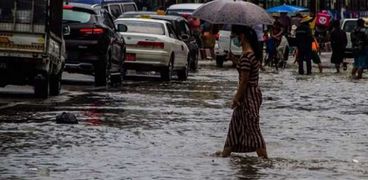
[315, 127]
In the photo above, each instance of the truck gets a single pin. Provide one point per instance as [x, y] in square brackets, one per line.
[32, 50]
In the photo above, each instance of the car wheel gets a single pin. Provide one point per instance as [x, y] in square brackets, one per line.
[55, 84]
[220, 61]
[166, 74]
[117, 77]
[41, 86]
[183, 74]
[102, 72]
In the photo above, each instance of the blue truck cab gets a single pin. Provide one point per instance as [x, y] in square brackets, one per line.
[115, 7]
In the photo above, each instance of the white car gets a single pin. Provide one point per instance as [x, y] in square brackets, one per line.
[224, 46]
[152, 45]
[348, 25]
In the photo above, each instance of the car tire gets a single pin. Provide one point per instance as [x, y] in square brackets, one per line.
[183, 74]
[41, 86]
[55, 84]
[166, 74]
[220, 61]
[102, 72]
[116, 79]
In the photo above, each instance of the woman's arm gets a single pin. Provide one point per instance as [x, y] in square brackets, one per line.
[240, 93]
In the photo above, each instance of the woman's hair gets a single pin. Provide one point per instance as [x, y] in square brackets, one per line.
[251, 36]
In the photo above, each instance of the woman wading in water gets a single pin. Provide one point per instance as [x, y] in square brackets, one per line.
[244, 132]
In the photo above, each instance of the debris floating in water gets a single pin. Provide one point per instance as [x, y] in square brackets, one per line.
[356, 161]
[66, 118]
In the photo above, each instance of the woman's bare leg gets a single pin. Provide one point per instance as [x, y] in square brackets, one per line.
[262, 152]
[360, 73]
[226, 152]
[353, 72]
[320, 68]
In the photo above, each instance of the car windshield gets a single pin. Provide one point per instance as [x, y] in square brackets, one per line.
[143, 27]
[76, 16]
[226, 27]
[179, 11]
[349, 26]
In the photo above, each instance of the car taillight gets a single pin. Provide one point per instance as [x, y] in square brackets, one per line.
[91, 31]
[68, 7]
[159, 45]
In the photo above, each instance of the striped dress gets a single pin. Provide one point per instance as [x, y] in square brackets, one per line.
[244, 132]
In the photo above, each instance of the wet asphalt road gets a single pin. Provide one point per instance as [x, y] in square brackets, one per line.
[315, 127]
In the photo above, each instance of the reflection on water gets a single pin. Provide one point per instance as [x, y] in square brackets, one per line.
[314, 126]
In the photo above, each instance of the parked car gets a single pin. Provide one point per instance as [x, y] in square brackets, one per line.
[114, 7]
[152, 45]
[348, 25]
[137, 14]
[224, 46]
[181, 28]
[184, 33]
[184, 8]
[93, 44]
[31, 45]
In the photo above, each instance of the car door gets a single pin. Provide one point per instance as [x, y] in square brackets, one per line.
[117, 43]
[191, 41]
[115, 10]
[179, 46]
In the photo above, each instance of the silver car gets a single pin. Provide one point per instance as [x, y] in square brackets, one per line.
[152, 45]
[348, 25]
[224, 47]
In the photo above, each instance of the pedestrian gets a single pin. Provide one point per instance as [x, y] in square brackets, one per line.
[359, 39]
[139, 4]
[260, 35]
[160, 11]
[285, 21]
[209, 40]
[277, 32]
[272, 44]
[304, 39]
[338, 44]
[244, 133]
[315, 55]
[295, 20]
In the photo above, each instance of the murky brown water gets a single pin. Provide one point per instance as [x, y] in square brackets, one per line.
[315, 128]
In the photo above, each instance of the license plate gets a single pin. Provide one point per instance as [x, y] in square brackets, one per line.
[130, 57]
[3, 66]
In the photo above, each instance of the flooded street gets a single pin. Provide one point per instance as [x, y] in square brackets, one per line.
[315, 127]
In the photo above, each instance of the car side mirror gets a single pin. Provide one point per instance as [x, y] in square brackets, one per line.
[185, 37]
[122, 28]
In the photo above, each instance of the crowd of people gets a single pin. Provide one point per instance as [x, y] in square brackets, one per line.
[309, 36]
[306, 35]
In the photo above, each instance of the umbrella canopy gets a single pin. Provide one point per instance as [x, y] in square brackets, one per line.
[286, 9]
[233, 12]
